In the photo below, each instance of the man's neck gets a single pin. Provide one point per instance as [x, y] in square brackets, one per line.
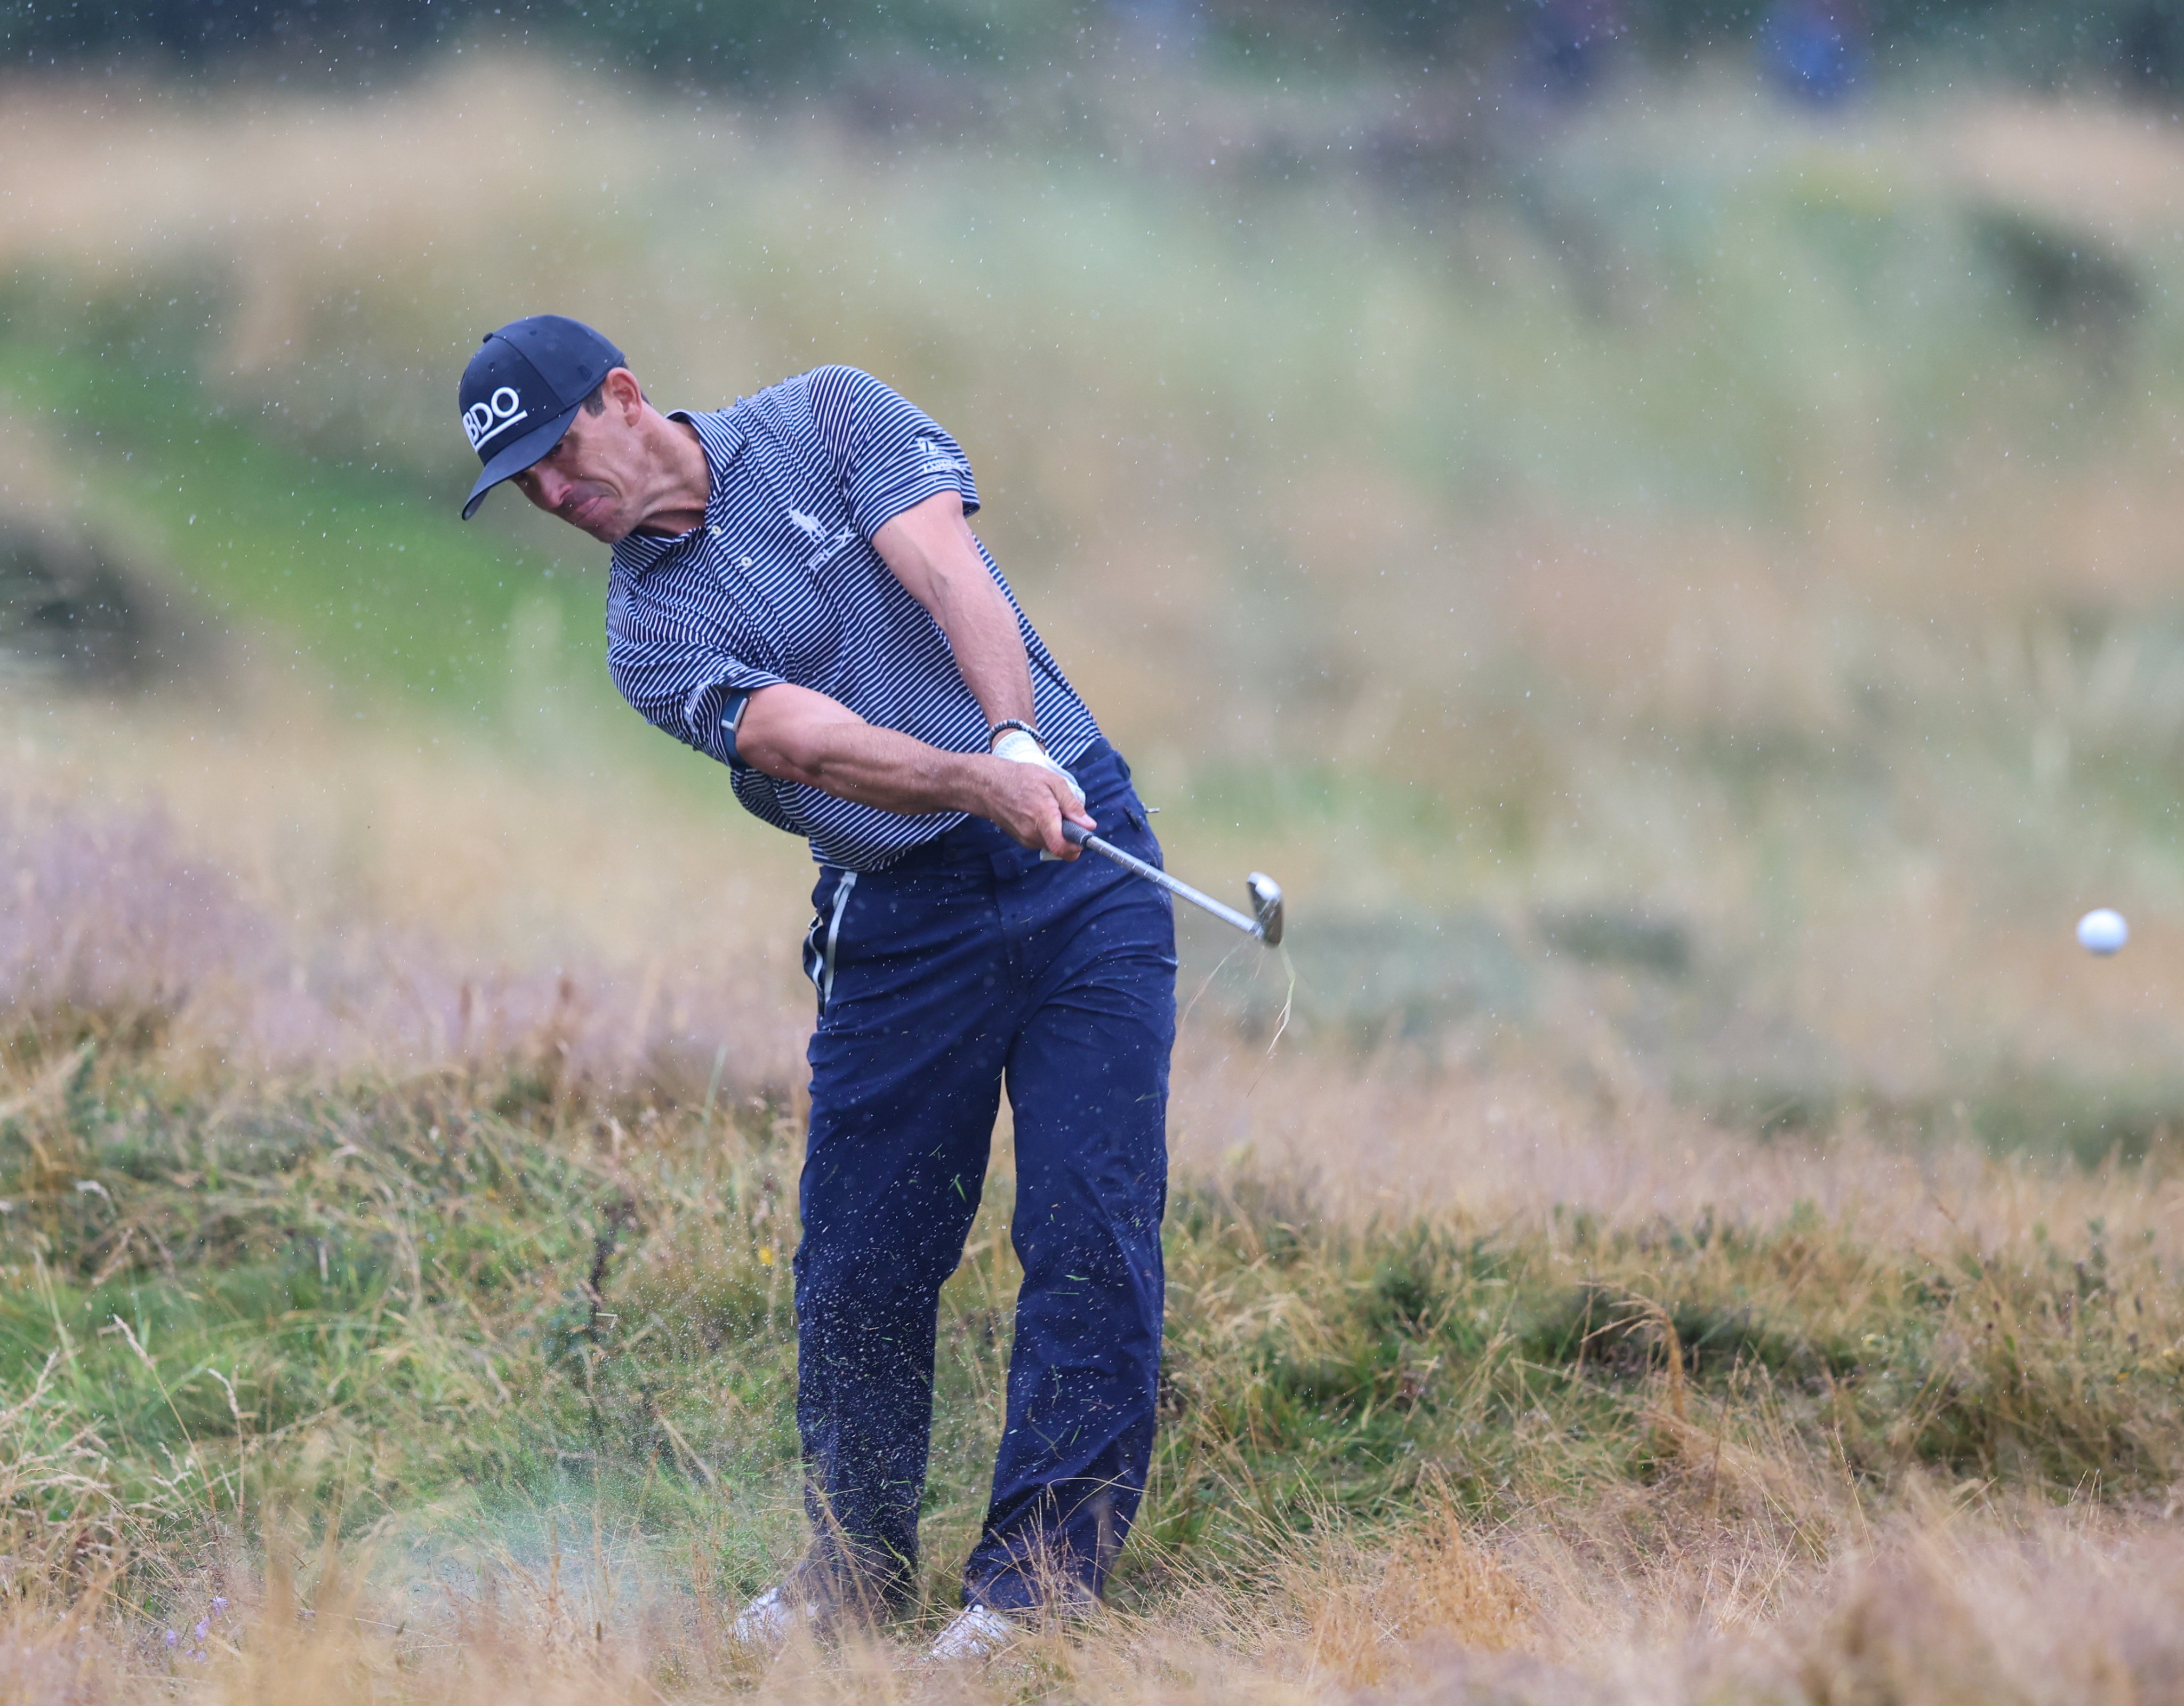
[686, 479]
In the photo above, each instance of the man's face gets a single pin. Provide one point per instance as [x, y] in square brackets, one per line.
[596, 478]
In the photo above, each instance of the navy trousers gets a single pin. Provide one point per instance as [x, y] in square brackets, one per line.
[966, 967]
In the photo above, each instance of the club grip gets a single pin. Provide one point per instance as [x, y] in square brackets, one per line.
[1073, 834]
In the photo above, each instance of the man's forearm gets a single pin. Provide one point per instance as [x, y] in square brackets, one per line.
[875, 766]
[989, 654]
[802, 736]
[930, 549]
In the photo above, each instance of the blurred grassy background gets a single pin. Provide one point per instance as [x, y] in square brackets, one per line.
[1678, 580]
[1665, 546]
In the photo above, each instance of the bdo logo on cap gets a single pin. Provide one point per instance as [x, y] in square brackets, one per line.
[493, 415]
[533, 375]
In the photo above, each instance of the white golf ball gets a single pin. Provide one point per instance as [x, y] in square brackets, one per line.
[2102, 931]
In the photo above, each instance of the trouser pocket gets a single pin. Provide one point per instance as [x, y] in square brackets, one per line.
[823, 939]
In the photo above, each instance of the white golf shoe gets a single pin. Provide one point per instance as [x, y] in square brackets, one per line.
[974, 1632]
[768, 1621]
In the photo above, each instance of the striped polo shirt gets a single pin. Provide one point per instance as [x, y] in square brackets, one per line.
[781, 584]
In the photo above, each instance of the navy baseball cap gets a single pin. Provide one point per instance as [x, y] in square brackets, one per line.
[523, 388]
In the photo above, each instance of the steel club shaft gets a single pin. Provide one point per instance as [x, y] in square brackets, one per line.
[1153, 873]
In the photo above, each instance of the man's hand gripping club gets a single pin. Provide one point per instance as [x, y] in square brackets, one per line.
[801, 736]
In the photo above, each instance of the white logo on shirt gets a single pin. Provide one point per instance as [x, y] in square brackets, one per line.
[934, 458]
[832, 548]
[815, 530]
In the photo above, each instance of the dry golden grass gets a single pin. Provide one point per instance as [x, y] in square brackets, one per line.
[1757, 1557]
[332, 898]
[295, 891]
[1934, 1611]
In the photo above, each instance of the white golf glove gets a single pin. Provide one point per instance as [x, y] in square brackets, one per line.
[1019, 748]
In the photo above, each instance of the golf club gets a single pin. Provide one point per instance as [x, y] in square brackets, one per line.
[1264, 922]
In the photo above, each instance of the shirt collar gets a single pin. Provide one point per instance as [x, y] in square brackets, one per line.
[724, 438]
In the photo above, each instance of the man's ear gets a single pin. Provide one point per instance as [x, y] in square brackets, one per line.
[625, 394]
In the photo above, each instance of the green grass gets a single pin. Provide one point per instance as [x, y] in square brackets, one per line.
[356, 563]
[464, 1307]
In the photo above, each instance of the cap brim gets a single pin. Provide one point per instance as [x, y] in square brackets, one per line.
[512, 459]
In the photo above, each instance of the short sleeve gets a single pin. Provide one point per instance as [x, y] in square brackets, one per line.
[888, 453]
[689, 691]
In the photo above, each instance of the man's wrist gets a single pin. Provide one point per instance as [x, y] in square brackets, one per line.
[983, 783]
[995, 734]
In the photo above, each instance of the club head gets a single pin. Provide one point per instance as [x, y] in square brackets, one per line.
[1265, 907]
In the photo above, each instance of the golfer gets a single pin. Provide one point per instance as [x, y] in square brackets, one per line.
[795, 592]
